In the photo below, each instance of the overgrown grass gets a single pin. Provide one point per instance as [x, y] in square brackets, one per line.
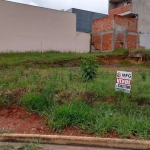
[29, 59]
[142, 51]
[94, 107]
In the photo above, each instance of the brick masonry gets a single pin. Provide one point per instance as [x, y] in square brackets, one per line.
[115, 32]
[120, 10]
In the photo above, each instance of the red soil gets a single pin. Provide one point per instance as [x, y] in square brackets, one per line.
[18, 120]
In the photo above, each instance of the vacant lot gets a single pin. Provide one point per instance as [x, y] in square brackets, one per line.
[50, 86]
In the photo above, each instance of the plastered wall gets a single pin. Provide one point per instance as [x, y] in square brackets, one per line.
[142, 8]
[82, 42]
[29, 28]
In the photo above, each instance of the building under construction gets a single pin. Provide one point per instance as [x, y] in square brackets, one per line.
[127, 26]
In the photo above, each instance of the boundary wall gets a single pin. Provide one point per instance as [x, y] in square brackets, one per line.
[30, 28]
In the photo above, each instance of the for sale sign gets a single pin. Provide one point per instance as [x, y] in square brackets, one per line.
[123, 81]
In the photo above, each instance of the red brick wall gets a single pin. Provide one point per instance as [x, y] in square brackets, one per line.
[106, 46]
[106, 23]
[107, 37]
[103, 24]
[131, 24]
[107, 41]
[119, 41]
[132, 38]
[97, 26]
[96, 42]
[120, 10]
[132, 41]
[131, 45]
[119, 45]
[123, 25]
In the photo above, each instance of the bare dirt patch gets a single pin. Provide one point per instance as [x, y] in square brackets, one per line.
[16, 119]
[103, 60]
[111, 59]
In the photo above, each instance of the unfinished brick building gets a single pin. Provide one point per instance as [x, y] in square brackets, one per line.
[119, 30]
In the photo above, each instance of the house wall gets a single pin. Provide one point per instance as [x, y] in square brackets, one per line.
[142, 8]
[29, 28]
[102, 33]
[145, 40]
[126, 35]
[84, 19]
[83, 41]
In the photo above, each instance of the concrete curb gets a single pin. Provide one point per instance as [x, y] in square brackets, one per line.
[73, 140]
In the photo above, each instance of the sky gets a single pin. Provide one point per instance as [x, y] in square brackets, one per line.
[100, 6]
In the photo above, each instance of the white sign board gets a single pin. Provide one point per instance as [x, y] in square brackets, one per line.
[123, 81]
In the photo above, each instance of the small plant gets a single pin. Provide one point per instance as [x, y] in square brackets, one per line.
[143, 75]
[89, 69]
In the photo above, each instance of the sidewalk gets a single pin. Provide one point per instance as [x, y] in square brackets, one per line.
[77, 141]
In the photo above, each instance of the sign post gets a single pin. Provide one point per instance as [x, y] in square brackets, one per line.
[123, 81]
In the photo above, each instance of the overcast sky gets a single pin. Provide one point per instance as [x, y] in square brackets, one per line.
[100, 6]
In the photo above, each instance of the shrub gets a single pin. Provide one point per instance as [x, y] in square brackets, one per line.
[89, 69]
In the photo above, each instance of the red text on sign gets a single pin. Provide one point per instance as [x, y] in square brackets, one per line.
[123, 81]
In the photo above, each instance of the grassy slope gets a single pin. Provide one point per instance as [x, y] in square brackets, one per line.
[16, 59]
[94, 107]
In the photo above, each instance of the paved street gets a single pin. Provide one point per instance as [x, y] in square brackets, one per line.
[54, 147]
[24, 146]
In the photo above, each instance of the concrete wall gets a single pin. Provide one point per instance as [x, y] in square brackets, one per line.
[84, 19]
[29, 28]
[111, 6]
[124, 3]
[145, 40]
[142, 8]
[82, 42]
[115, 4]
